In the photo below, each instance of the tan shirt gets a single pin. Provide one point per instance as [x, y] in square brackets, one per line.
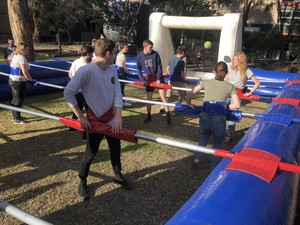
[216, 90]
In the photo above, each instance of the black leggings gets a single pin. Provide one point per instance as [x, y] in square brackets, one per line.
[18, 89]
[92, 148]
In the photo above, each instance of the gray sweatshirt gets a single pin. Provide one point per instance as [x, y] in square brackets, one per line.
[101, 89]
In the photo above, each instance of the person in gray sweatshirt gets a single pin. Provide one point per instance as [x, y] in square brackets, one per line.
[100, 87]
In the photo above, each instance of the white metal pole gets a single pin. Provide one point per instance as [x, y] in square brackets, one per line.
[49, 68]
[41, 83]
[22, 215]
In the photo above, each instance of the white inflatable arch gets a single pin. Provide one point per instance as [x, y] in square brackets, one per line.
[230, 39]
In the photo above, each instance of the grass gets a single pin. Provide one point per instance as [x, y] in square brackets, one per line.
[39, 163]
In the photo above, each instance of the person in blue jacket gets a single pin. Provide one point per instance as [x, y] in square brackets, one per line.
[149, 61]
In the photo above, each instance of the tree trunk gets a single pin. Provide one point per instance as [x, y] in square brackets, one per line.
[58, 41]
[36, 32]
[246, 10]
[21, 23]
[135, 19]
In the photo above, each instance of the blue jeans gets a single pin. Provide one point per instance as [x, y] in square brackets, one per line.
[215, 126]
[231, 124]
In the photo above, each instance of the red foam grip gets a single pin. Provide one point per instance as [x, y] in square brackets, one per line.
[123, 134]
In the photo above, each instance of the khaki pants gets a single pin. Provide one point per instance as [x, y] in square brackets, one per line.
[180, 92]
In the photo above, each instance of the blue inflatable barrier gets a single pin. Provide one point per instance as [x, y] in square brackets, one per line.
[234, 197]
[41, 74]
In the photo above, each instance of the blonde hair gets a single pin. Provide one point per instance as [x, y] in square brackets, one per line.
[242, 64]
[20, 50]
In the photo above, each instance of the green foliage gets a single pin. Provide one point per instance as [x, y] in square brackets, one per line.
[183, 7]
[269, 40]
[295, 49]
[63, 15]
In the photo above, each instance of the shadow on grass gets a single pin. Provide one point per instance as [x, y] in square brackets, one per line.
[158, 193]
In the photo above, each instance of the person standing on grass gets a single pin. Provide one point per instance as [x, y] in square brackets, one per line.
[9, 50]
[19, 75]
[149, 61]
[177, 71]
[101, 89]
[213, 116]
[122, 69]
[86, 54]
[238, 74]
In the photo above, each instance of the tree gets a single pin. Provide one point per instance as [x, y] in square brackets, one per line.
[21, 23]
[124, 16]
[35, 17]
[197, 8]
[61, 16]
[183, 7]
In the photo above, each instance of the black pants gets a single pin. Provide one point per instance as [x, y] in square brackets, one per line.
[122, 84]
[81, 103]
[18, 89]
[92, 148]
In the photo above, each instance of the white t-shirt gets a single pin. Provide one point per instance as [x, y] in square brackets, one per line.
[76, 64]
[234, 77]
[120, 59]
[16, 61]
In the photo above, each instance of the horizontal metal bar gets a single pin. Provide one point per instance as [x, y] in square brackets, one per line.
[177, 144]
[22, 215]
[13, 108]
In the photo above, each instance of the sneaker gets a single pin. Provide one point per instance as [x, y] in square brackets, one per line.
[169, 121]
[71, 130]
[162, 111]
[148, 119]
[84, 136]
[83, 190]
[126, 104]
[119, 179]
[196, 161]
[19, 121]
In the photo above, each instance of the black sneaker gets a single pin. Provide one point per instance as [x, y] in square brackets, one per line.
[19, 121]
[169, 121]
[71, 130]
[83, 190]
[119, 179]
[84, 136]
[148, 119]
[162, 111]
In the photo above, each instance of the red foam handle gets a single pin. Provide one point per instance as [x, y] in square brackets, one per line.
[153, 84]
[223, 153]
[250, 98]
[289, 167]
[71, 123]
[123, 134]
